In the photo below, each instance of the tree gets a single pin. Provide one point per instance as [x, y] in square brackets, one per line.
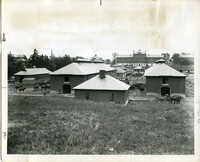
[107, 61]
[39, 61]
[114, 58]
[14, 66]
[166, 56]
[59, 62]
[176, 59]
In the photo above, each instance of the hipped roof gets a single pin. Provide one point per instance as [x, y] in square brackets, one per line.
[82, 69]
[120, 70]
[107, 83]
[33, 71]
[138, 68]
[162, 70]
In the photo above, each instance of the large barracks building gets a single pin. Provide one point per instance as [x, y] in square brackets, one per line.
[138, 58]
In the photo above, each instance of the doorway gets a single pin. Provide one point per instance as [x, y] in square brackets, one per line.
[66, 89]
[165, 91]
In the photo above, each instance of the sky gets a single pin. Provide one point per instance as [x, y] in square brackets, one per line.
[84, 28]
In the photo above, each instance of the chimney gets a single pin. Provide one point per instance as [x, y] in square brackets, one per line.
[102, 74]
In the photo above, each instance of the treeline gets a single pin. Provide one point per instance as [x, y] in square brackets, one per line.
[52, 62]
[178, 60]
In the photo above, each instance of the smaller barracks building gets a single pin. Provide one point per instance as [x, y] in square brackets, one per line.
[65, 79]
[161, 79]
[103, 88]
[32, 76]
[120, 73]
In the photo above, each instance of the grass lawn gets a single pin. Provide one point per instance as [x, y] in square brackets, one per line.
[62, 125]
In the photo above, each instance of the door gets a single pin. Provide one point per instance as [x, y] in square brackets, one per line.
[165, 90]
[66, 89]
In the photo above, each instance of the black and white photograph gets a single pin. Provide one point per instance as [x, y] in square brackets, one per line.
[99, 78]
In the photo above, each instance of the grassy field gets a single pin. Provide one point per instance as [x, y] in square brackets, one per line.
[62, 125]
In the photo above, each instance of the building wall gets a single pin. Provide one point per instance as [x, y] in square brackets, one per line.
[120, 75]
[176, 85]
[137, 59]
[152, 60]
[38, 78]
[102, 96]
[153, 84]
[111, 73]
[57, 81]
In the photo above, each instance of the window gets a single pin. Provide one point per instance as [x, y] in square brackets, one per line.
[111, 97]
[87, 95]
[66, 79]
[165, 81]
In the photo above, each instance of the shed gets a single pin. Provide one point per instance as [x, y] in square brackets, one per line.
[28, 81]
[103, 88]
[120, 73]
[162, 79]
[139, 69]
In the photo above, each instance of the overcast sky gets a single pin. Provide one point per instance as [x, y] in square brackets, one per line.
[84, 28]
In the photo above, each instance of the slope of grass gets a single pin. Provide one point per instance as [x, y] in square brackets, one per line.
[61, 125]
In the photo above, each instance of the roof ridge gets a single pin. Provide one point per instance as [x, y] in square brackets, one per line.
[108, 83]
[166, 70]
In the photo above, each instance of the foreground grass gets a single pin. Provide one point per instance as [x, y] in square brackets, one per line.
[55, 125]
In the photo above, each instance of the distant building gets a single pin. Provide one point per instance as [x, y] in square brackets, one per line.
[18, 58]
[162, 79]
[35, 75]
[96, 59]
[151, 59]
[65, 79]
[139, 69]
[103, 88]
[120, 73]
[138, 58]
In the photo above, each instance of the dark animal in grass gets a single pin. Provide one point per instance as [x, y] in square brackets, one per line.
[17, 87]
[45, 86]
[36, 87]
[141, 88]
[174, 99]
[21, 89]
